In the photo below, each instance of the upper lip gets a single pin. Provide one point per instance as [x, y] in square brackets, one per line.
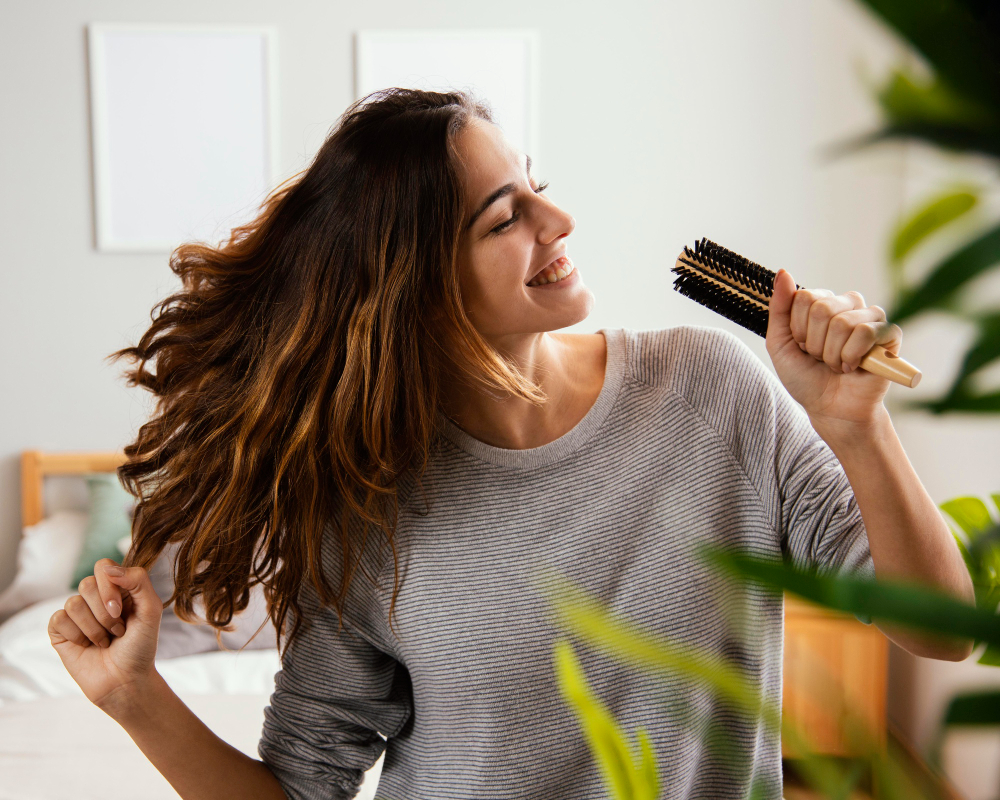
[547, 265]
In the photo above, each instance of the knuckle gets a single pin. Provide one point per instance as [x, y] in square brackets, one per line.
[75, 603]
[88, 583]
[879, 309]
[856, 296]
[841, 324]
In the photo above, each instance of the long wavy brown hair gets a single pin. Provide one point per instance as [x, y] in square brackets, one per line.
[299, 369]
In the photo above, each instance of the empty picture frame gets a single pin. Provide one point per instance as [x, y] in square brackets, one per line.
[498, 66]
[183, 131]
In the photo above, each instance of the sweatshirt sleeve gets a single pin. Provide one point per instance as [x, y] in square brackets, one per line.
[804, 489]
[333, 696]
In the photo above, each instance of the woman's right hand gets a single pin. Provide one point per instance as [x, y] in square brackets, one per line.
[110, 655]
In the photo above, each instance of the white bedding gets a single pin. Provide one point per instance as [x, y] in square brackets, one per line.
[30, 667]
[56, 745]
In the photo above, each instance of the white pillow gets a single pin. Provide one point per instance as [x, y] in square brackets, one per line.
[46, 559]
[30, 667]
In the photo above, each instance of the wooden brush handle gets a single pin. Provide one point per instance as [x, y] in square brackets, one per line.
[881, 362]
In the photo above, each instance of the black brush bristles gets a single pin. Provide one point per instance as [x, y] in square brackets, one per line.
[726, 282]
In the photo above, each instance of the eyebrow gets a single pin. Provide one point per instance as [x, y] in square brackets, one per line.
[503, 191]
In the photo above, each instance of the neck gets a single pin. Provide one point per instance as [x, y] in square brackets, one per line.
[570, 371]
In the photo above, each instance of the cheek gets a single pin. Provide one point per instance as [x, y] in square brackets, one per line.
[493, 281]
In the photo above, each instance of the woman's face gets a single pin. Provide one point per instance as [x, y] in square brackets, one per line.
[509, 241]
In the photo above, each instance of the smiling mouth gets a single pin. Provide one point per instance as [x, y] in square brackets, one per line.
[561, 268]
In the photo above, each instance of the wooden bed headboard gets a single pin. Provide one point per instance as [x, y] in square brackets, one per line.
[35, 465]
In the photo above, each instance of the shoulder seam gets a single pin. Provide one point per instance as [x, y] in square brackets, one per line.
[729, 452]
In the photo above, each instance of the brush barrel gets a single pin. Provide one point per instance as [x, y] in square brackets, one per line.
[884, 364]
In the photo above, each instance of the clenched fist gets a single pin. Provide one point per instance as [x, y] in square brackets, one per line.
[106, 636]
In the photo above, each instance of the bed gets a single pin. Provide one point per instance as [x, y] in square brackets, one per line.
[53, 738]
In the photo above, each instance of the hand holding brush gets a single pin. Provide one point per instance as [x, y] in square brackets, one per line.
[834, 355]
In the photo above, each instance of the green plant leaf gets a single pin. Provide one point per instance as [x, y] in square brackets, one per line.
[949, 137]
[984, 350]
[959, 44]
[648, 783]
[914, 606]
[990, 656]
[906, 99]
[981, 549]
[968, 262]
[758, 790]
[963, 402]
[931, 217]
[970, 514]
[604, 736]
[974, 708]
[582, 615]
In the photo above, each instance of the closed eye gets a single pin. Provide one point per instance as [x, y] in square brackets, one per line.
[503, 226]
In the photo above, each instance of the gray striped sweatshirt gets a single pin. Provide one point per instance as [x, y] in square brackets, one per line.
[691, 441]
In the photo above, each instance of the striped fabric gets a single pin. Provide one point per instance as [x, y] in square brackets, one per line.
[691, 441]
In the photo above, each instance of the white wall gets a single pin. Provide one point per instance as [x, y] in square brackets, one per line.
[661, 122]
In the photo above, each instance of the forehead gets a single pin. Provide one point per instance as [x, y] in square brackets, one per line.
[487, 158]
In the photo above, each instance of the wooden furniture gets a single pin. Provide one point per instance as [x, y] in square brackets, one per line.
[35, 465]
[834, 666]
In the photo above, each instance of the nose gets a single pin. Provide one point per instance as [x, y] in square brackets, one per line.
[560, 223]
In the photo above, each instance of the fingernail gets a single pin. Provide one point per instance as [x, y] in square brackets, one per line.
[118, 630]
[116, 571]
[105, 643]
[114, 608]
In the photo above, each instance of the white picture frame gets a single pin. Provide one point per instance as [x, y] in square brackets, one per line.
[498, 65]
[183, 131]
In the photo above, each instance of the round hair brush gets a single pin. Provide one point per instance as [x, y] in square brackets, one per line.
[741, 290]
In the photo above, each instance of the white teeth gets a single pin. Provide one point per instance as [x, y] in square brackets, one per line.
[551, 277]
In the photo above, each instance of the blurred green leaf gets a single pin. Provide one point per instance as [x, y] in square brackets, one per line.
[907, 604]
[990, 656]
[985, 349]
[931, 217]
[625, 780]
[906, 99]
[581, 614]
[963, 401]
[974, 708]
[980, 550]
[946, 278]
[957, 39]
[949, 137]
[648, 776]
[970, 514]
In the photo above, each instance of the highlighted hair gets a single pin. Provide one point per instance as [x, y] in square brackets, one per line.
[299, 369]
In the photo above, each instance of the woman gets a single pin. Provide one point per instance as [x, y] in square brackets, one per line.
[374, 355]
